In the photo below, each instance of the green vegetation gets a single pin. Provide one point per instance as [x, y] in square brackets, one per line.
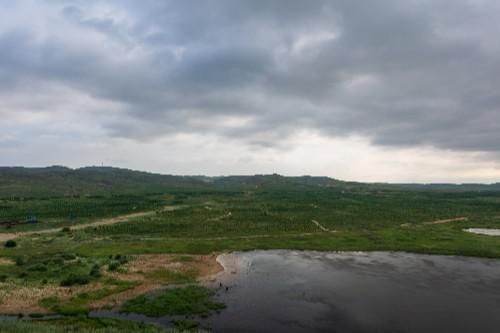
[65, 212]
[79, 305]
[185, 301]
[63, 269]
[211, 215]
[74, 279]
[185, 324]
[173, 277]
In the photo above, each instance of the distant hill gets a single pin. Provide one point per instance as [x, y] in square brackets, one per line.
[452, 187]
[62, 181]
[275, 180]
[58, 181]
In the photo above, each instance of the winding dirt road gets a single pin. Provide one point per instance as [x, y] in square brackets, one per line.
[112, 220]
[323, 228]
[457, 219]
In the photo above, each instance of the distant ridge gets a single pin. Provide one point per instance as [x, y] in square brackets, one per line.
[63, 181]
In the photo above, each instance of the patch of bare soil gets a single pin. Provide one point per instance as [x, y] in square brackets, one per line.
[115, 300]
[6, 236]
[6, 262]
[140, 268]
[15, 299]
[445, 221]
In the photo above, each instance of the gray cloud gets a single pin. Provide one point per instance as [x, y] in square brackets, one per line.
[400, 73]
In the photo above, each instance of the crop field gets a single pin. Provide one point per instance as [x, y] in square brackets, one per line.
[69, 262]
[66, 211]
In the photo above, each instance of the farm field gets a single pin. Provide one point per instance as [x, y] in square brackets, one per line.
[103, 249]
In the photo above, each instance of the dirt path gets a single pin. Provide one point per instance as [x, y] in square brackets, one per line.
[302, 234]
[456, 219]
[323, 228]
[112, 220]
[220, 218]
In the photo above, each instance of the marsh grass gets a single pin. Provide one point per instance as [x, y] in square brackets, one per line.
[190, 300]
[81, 303]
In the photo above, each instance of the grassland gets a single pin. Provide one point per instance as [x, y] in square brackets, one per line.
[81, 265]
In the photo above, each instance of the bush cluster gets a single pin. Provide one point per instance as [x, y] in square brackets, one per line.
[74, 279]
[10, 243]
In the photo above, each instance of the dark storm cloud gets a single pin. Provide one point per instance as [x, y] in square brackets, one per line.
[398, 72]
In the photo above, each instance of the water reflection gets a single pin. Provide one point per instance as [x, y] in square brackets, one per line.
[289, 291]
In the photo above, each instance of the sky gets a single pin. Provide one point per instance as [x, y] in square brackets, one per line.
[379, 90]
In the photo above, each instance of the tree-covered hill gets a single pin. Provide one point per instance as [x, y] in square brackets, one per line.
[63, 181]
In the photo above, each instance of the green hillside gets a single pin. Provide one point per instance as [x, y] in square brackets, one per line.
[61, 181]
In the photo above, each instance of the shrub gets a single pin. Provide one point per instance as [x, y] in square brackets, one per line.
[10, 243]
[68, 256]
[37, 268]
[95, 271]
[20, 261]
[58, 261]
[191, 300]
[185, 324]
[123, 260]
[36, 315]
[112, 267]
[66, 229]
[74, 279]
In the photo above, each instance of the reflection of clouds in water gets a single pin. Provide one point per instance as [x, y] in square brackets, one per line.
[358, 292]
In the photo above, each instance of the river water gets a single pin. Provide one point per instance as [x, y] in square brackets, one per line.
[288, 291]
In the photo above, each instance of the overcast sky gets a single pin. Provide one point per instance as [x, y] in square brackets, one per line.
[379, 90]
